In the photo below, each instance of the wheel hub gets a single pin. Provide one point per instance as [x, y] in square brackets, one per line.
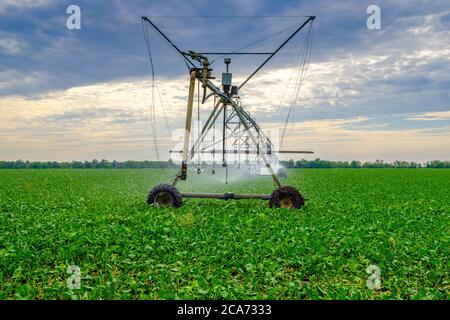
[286, 202]
[163, 199]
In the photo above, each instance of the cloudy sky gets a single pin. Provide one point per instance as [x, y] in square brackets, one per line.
[84, 94]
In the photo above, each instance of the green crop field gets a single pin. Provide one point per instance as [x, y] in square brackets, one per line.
[395, 219]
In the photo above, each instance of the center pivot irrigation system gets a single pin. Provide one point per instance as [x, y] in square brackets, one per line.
[243, 134]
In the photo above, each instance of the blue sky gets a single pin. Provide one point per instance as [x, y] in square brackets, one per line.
[84, 93]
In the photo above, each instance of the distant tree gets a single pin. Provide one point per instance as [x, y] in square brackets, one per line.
[289, 164]
[316, 163]
[355, 164]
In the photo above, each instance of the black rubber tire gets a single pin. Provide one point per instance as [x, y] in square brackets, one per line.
[278, 197]
[170, 191]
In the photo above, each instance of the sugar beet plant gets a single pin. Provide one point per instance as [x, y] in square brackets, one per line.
[395, 220]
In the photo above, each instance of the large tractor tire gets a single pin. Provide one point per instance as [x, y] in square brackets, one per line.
[165, 195]
[286, 197]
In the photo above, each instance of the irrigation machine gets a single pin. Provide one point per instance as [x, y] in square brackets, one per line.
[240, 133]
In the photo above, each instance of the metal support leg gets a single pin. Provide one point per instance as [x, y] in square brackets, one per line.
[224, 160]
[182, 175]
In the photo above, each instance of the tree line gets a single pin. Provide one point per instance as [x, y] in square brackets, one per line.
[94, 164]
[319, 163]
[147, 164]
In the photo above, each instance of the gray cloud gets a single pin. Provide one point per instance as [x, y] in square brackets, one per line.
[381, 78]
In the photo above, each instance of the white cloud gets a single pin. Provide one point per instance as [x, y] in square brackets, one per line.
[10, 46]
[10, 78]
[6, 5]
[11, 43]
[330, 139]
[431, 116]
[111, 120]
